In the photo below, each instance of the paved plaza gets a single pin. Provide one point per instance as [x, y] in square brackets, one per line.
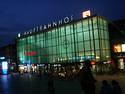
[30, 84]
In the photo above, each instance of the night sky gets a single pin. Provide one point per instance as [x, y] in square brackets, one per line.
[21, 15]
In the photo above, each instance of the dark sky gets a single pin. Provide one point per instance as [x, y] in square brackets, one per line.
[21, 15]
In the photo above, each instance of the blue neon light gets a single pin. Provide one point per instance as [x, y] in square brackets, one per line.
[4, 67]
[4, 71]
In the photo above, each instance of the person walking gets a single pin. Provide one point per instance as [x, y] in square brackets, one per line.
[105, 88]
[51, 88]
[116, 87]
[87, 80]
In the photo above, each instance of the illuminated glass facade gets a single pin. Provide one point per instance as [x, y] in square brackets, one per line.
[73, 42]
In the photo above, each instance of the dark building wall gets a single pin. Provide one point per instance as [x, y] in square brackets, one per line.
[9, 52]
[117, 37]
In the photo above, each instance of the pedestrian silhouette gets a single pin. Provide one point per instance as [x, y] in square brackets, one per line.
[51, 88]
[105, 88]
[116, 87]
[87, 80]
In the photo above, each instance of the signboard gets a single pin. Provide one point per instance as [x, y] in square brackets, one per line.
[86, 14]
[123, 47]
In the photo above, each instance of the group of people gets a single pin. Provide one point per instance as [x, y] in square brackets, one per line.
[110, 89]
[88, 81]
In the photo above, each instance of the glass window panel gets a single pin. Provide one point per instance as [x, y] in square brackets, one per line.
[63, 57]
[68, 39]
[27, 39]
[56, 32]
[76, 37]
[107, 52]
[41, 37]
[64, 40]
[60, 49]
[86, 35]
[40, 43]
[94, 20]
[97, 55]
[57, 49]
[33, 39]
[85, 25]
[95, 33]
[60, 40]
[103, 56]
[67, 29]
[85, 22]
[54, 50]
[102, 44]
[49, 43]
[92, 45]
[87, 45]
[59, 31]
[87, 53]
[69, 48]
[106, 34]
[73, 49]
[102, 36]
[107, 44]
[79, 27]
[50, 59]
[72, 38]
[90, 24]
[37, 37]
[96, 44]
[69, 55]
[50, 50]
[100, 23]
[80, 37]
[75, 28]
[62, 31]
[71, 29]
[76, 46]
[49, 35]
[95, 26]
[91, 34]
[105, 24]
[80, 45]
[38, 50]
[24, 41]
[53, 33]
[44, 60]
[57, 41]
[53, 42]
[63, 49]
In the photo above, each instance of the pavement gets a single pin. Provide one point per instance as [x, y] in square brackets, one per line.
[30, 84]
[73, 86]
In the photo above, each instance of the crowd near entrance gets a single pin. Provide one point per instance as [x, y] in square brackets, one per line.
[67, 71]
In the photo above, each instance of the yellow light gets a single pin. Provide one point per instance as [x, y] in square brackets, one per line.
[86, 14]
[97, 57]
[117, 48]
